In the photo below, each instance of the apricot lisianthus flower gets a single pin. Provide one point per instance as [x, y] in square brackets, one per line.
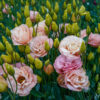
[37, 46]
[94, 40]
[70, 46]
[21, 35]
[25, 78]
[65, 64]
[83, 33]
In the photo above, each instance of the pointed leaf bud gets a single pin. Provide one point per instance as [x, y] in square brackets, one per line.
[39, 79]
[64, 5]
[43, 9]
[96, 30]
[54, 16]
[30, 58]
[73, 18]
[2, 25]
[97, 78]
[98, 50]
[88, 17]
[4, 39]
[82, 10]
[69, 29]
[21, 48]
[56, 43]
[48, 20]
[18, 21]
[2, 48]
[56, 9]
[8, 31]
[88, 30]
[74, 3]
[26, 11]
[47, 62]
[22, 2]
[22, 60]
[54, 26]
[28, 22]
[27, 49]
[47, 46]
[83, 48]
[90, 56]
[64, 16]
[1, 61]
[37, 17]
[69, 9]
[32, 2]
[99, 27]
[94, 68]
[34, 33]
[75, 28]
[18, 15]
[46, 30]
[32, 67]
[16, 56]
[38, 63]
[48, 4]
[10, 69]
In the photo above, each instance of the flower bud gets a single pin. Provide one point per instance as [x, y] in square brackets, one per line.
[8, 47]
[90, 56]
[2, 48]
[94, 68]
[32, 67]
[4, 39]
[64, 5]
[26, 11]
[6, 58]
[99, 27]
[83, 48]
[21, 48]
[18, 15]
[47, 47]
[48, 4]
[54, 16]
[88, 30]
[97, 78]
[98, 90]
[48, 69]
[98, 50]
[39, 79]
[5, 75]
[18, 21]
[75, 28]
[43, 10]
[12, 2]
[73, 18]
[38, 63]
[1, 16]
[10, 69]
[56, 43]
[28, 22]
[54, 26]
[48, 20]
[74, 3]
[96, 30]
[69, 9]
[56, 9]
[16, 25]
[34, 33]
[64, 16]
[3, 84]
[22, 60]
[8, 31]
[3, 3]
[47, 62]
[2, 25]
[22, 2]
[27, 3]
[27, 49]
[69, 28]
[32, 2]
[1, 61]
[0, 5]
[30, 58]
[76, 11]
[88, 17]
[16, 56]
[82, 10]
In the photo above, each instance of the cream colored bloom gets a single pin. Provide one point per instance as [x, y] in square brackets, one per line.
[70, 46]
[21, 35]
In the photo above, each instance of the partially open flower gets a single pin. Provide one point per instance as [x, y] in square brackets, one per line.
[83, 33]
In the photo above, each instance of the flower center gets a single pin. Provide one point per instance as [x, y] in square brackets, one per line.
[20, 79]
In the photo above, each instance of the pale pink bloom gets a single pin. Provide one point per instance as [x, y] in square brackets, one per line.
[60, 26]
[65, 64]
[37, 46]
[21, 35]
[77, 80]
[25, 78]
[94, 40]
[70, 46]
[33, 15]
[83, 33]
[13, 18]
[5, 10]
[40, 28]
[1, 71]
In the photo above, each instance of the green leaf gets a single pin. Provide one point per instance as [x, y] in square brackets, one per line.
[69, 98]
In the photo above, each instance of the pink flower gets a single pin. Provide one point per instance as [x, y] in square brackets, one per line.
[65, 64]
[26, 80]
[83, 33]
[13, 18]
[94, 40]
[40, 28]
[33, 15]
[5, 10]
[70, 46]
[1, 71]
[37, 46]
[21, 35]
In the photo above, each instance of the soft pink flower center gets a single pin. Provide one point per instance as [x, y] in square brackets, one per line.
[21, 79]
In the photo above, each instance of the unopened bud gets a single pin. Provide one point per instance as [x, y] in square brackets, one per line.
[94, 68]
[1, 61]
[32, 67]
[69, 29]
[47, 46]
[46, 30]
[74, 3]
[73, 18]
[56, 9]
[22, 60]
[16, 56]
[54, 26]
[88, 30]
[26, 11]
[90, 56]
[99, 27]
[96, 30]
[2, 48]
[30, 58]
[27, 49]
[82, 10]
[48, 20]
[69, 9]
[2, 25]
[83, 48]
[4, 39]
[32, 2]
[54, 16]
[64, 16]
[48, 4]
[97, 78]
[18, 21]
[47, 62]
[22, 2]
[8, 31]
[34, 33]
[43, 9]
[56, 43]
[64, 5]
[98, 50]
[28, 22]
[88, 17]
[21, 48]
[18, 15]
[39, 79]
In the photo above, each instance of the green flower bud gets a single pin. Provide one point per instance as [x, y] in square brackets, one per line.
[3, 84]
[51, 12]
[18, 21]
[34, 33]
[32, 2]
[28, 22]
[26, 11]
[88, 30]
[39, 79]
[3, 3]
[69, 9]
[56, 9]
[74, 3]
[46, 30]
[48, 4]
[88, 17]
[9, 47]
[99, 27]
[90, 56]
[10, 69]
[48, 19]
[76, 11]
[56, 43]
[8, 31]
[5, 75]
[18, 15]
[27, 49]
[0, 5]
[4, 39]
[82, 10]
[98, 84]
[69, 29]
[1, 16]
[64, 5]
[1, 61]
[16, 56]
[54, 16]
[73, 18]
[6, 58]
[96, 30]
[47, 47]
[83, 48]
[21, 48]
[47, 62]
[2, 25]
[16, 25]
[97, 78]
[54, 26]
[98, 90]
[22, 60]
[94, 68]
[38, 63]
[64, 16]
[31, 66]
[30, 58]
[2, 48]
[22, 2]
[75, 28]
[38, 18]
[12, 2]
[43, 9]
[27, 3]
[98, 50]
